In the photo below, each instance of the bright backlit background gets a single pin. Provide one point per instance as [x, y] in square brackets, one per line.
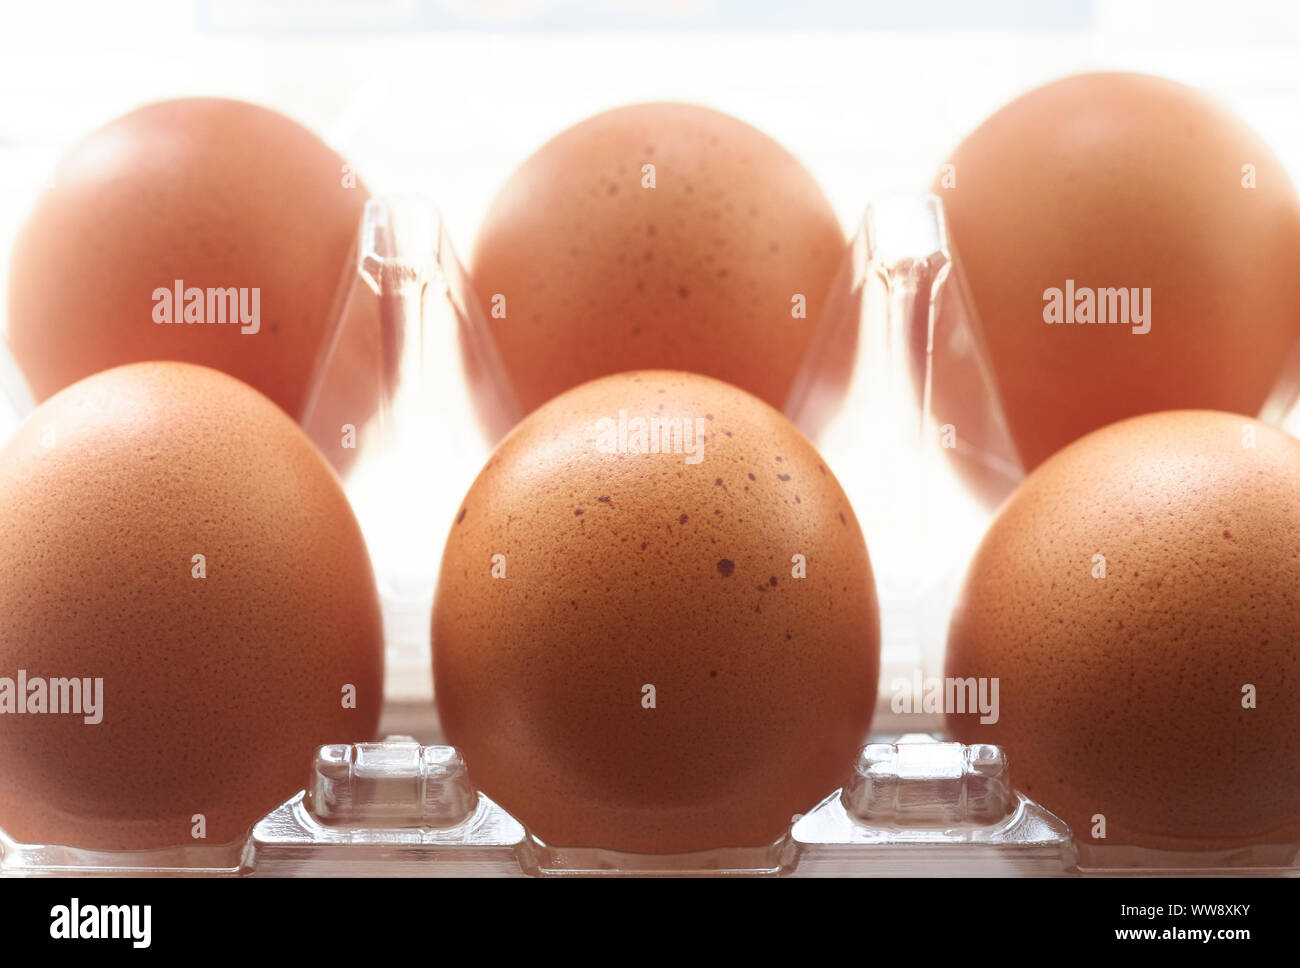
[447, 97]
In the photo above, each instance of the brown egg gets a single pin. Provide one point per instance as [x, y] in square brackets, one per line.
[219, 195]
[220, 674]
[599, 269]
[624, 647]
[1138, 598]
[1123, 182]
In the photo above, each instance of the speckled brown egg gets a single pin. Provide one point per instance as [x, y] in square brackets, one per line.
[657, 235]
[220, 673]
[1129, 247]
[1138, 598]
[656, 650]
[216, 195]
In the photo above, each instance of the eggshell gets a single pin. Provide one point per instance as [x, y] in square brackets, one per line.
[212, 192]
[1132, 595]
[1120, 180]
[600, 273]
[630, 577]
[216, 689]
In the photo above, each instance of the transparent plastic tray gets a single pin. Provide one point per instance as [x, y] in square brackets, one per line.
[912, 804]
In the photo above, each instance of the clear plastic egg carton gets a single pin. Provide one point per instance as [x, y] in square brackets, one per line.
[402, 809]
[912, 803]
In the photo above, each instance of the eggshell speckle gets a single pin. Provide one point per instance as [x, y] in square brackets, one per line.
[216, 689]
[218, 194]
[657, 235]
[1132, 596]
[1121, 181]
[582, 580]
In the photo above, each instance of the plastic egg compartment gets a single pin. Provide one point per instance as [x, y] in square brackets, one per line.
[912, 803]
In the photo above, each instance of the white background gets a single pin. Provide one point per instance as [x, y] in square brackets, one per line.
[451, 113]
